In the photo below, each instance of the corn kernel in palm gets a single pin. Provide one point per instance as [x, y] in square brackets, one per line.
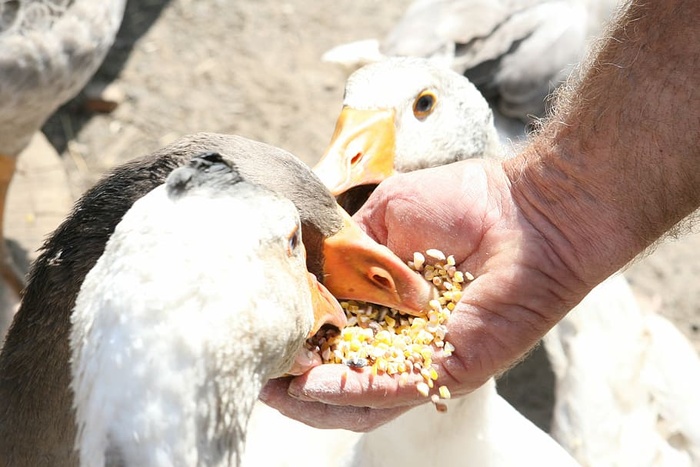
[444, 392]
[435, 254]
[423, 389]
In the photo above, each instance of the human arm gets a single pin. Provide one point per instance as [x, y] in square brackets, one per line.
[613, 170]
[619, 164]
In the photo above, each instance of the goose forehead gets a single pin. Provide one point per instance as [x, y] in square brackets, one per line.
[391, 84]
[201, 220]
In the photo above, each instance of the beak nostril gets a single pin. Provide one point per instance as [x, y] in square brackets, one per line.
[356, 159]
[384, 282]
[382, 279]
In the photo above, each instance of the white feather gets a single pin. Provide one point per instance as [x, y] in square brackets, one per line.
[184, 317]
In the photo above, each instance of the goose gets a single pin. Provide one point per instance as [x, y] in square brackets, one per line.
[515, 52]
[36, 420]
[617, 385]
[185, 316]
[48, 52]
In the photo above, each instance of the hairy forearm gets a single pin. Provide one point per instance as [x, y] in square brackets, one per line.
[618, 163]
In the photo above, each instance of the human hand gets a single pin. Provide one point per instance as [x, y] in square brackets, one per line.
[521, 289]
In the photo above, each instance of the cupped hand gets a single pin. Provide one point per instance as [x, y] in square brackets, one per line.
[521, 289]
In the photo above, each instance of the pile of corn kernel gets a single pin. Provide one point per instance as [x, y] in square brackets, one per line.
[395, 343]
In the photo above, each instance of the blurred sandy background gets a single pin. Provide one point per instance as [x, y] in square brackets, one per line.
[253, 68]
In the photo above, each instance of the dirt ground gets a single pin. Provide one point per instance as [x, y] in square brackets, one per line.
[253, 68]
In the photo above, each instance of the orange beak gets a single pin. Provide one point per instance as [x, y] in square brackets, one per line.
[327, 310]
[361, 150]
[358, 268]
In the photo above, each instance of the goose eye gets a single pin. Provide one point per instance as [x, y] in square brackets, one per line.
[293, 241]
[424, 104]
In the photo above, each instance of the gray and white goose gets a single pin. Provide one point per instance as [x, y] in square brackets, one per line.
[185, 316]
[36, 417]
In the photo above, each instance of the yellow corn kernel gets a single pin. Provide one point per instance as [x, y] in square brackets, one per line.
[433, 373]
[444, 392]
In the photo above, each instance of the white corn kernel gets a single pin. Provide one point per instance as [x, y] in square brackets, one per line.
[423, 389]
[435, 254]
[418, 261]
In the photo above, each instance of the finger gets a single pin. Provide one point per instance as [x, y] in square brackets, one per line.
[340, 385]
[320, 415]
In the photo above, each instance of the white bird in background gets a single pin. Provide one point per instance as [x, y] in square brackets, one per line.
[49, 49]
[626, 383]
[185, 316]
[626, 378]
[515, 51]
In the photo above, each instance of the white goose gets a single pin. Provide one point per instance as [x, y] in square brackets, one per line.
[48, 52]
[419, 110]
[185, 316]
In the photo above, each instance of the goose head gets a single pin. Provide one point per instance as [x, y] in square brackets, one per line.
[345, 259]
[185, 316]
[404, 114]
